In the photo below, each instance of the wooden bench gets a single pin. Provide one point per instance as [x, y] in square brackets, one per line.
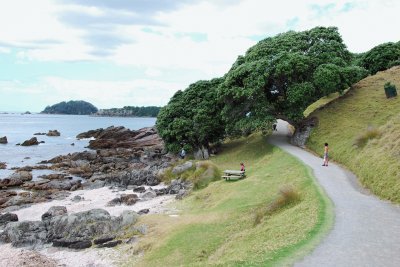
[233, 175]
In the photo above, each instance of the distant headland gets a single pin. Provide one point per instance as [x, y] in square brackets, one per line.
[72, 107]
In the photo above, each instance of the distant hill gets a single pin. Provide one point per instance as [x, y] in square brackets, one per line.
[71, 107]
[362, 128]
[130, 111]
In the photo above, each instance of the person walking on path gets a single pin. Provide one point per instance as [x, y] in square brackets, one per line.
[326, 156]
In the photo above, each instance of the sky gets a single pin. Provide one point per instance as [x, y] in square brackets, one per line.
[115, 53]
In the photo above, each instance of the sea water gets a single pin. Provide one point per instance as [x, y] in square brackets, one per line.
[20, 127]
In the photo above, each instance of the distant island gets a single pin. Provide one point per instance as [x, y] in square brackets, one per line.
[129, 111]
[72, 107]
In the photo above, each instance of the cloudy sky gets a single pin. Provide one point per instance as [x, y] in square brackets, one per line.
[114, 53]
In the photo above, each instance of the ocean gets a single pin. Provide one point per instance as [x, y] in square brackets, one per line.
[18, 128]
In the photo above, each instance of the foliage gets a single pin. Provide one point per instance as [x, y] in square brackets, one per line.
[368, 134]
[192, 117]
[71, 107]
[381, 57]
[130, 111]
[280, 76]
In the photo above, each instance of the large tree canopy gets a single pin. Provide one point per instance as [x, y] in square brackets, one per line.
[277, 78]
[192, 117]
[280, 76]
[381, 57]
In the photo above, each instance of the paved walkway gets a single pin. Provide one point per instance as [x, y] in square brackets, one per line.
[366, 230]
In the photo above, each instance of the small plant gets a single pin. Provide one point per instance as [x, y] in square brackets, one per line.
[363, 138]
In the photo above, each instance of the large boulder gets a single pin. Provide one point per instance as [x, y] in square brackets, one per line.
[3, 140]
[31, 142]
[52, 212]
[16, 179]
[25, 233]
[182, 167]
[8, 217]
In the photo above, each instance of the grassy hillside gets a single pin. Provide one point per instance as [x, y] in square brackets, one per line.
[363, 131]
[274, 215]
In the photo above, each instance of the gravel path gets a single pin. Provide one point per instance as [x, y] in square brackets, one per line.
[366, 230]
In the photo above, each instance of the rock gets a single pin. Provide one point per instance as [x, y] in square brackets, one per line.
[182, 168]
[25, 233]
[77, 199]
[8, 217]
[21, 175]
[132, 240]
[81, 244]
[39, 134]
[143, 211]
[149, 194]
[114, 202]
[52, 212]
[81, 226]
[3, 140]
[181, 194]
[303, 131]
[128, 217]
[53, 176]
[72, 144]
[129, 199]
[3, 165]
[110, 244]
[53, 133]
[113, 137]
[103, 239]
[31, 142]
[74, 244]
[139, 189]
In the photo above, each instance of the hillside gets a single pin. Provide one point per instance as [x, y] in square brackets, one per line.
[247, 222]
[363, 131]
[71, 108]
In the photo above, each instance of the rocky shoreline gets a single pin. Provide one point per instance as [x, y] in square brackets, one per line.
[122, 168]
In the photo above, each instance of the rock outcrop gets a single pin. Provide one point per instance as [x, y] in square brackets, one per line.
[113, 137]
[78, 230]
[53, 133]
[3, 140]
[303, 131]
[3, 165]
[31, 142]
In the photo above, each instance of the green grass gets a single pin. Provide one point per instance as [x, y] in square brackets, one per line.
[322, 102]
[216, 225]
[363, 132]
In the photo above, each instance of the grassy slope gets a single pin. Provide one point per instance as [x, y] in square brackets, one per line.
[341, 122]
[216, 224]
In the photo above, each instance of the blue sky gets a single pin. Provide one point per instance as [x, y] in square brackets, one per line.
[140, 52]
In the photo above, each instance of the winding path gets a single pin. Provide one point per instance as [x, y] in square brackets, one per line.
[366, 231]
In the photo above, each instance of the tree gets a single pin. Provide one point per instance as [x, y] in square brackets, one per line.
[281, 76]
[381, 57]
[71, 107]
[192, 117]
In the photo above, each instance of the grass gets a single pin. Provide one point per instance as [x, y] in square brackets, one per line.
[216, 225]
[363, 132]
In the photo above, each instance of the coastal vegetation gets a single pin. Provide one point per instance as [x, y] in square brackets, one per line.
[273, 216]
[278, 78]
[130, 111]
[363, 131]
[71, 108]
